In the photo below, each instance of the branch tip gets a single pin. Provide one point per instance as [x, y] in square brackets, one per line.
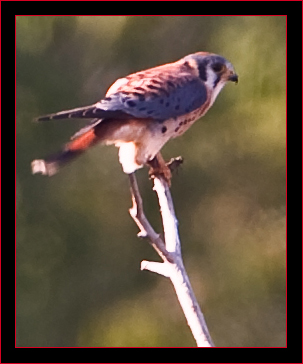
[156, 267]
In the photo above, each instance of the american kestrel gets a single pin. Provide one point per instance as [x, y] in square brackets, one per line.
[142, 111]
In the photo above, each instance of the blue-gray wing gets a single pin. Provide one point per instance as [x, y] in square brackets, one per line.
[160, 93]
[158, 101]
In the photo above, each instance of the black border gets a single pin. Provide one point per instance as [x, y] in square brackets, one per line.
[10, 354]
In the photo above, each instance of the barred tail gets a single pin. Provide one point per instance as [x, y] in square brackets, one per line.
[50, 165]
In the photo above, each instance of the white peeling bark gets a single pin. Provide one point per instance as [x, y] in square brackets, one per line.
[170, 252]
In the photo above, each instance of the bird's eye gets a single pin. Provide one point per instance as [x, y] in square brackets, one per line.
[218, 67]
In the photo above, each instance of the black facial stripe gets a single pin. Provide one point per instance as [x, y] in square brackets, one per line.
[217, 80]
[202, 70]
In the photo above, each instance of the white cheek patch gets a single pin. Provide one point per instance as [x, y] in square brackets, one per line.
[127, 157]
[211, 78]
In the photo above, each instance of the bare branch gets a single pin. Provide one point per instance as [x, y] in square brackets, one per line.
[155, 267]
[170, 252]
[146, 230]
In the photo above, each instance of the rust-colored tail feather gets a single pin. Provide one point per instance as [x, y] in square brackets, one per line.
[50, 165]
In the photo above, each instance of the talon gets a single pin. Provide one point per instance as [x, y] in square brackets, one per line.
[163, 172]
[160, 168]
[175, 163]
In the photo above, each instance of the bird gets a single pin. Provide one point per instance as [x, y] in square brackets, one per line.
[141, 112]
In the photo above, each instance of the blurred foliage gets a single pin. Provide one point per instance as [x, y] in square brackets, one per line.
[78, 257]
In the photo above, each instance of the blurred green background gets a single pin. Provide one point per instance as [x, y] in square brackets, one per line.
[78, 258]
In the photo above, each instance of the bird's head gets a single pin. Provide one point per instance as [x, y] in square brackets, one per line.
[214, 71]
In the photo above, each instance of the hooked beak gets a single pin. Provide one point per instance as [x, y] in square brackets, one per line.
[233, 77]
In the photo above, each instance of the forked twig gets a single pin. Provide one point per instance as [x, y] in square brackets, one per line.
[170, 252]
[146, 230]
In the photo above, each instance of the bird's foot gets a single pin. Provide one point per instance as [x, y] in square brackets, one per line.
[163, 172]
[175, 163]
[158, 167]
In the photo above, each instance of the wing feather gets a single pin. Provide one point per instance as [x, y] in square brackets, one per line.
[160, 93]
